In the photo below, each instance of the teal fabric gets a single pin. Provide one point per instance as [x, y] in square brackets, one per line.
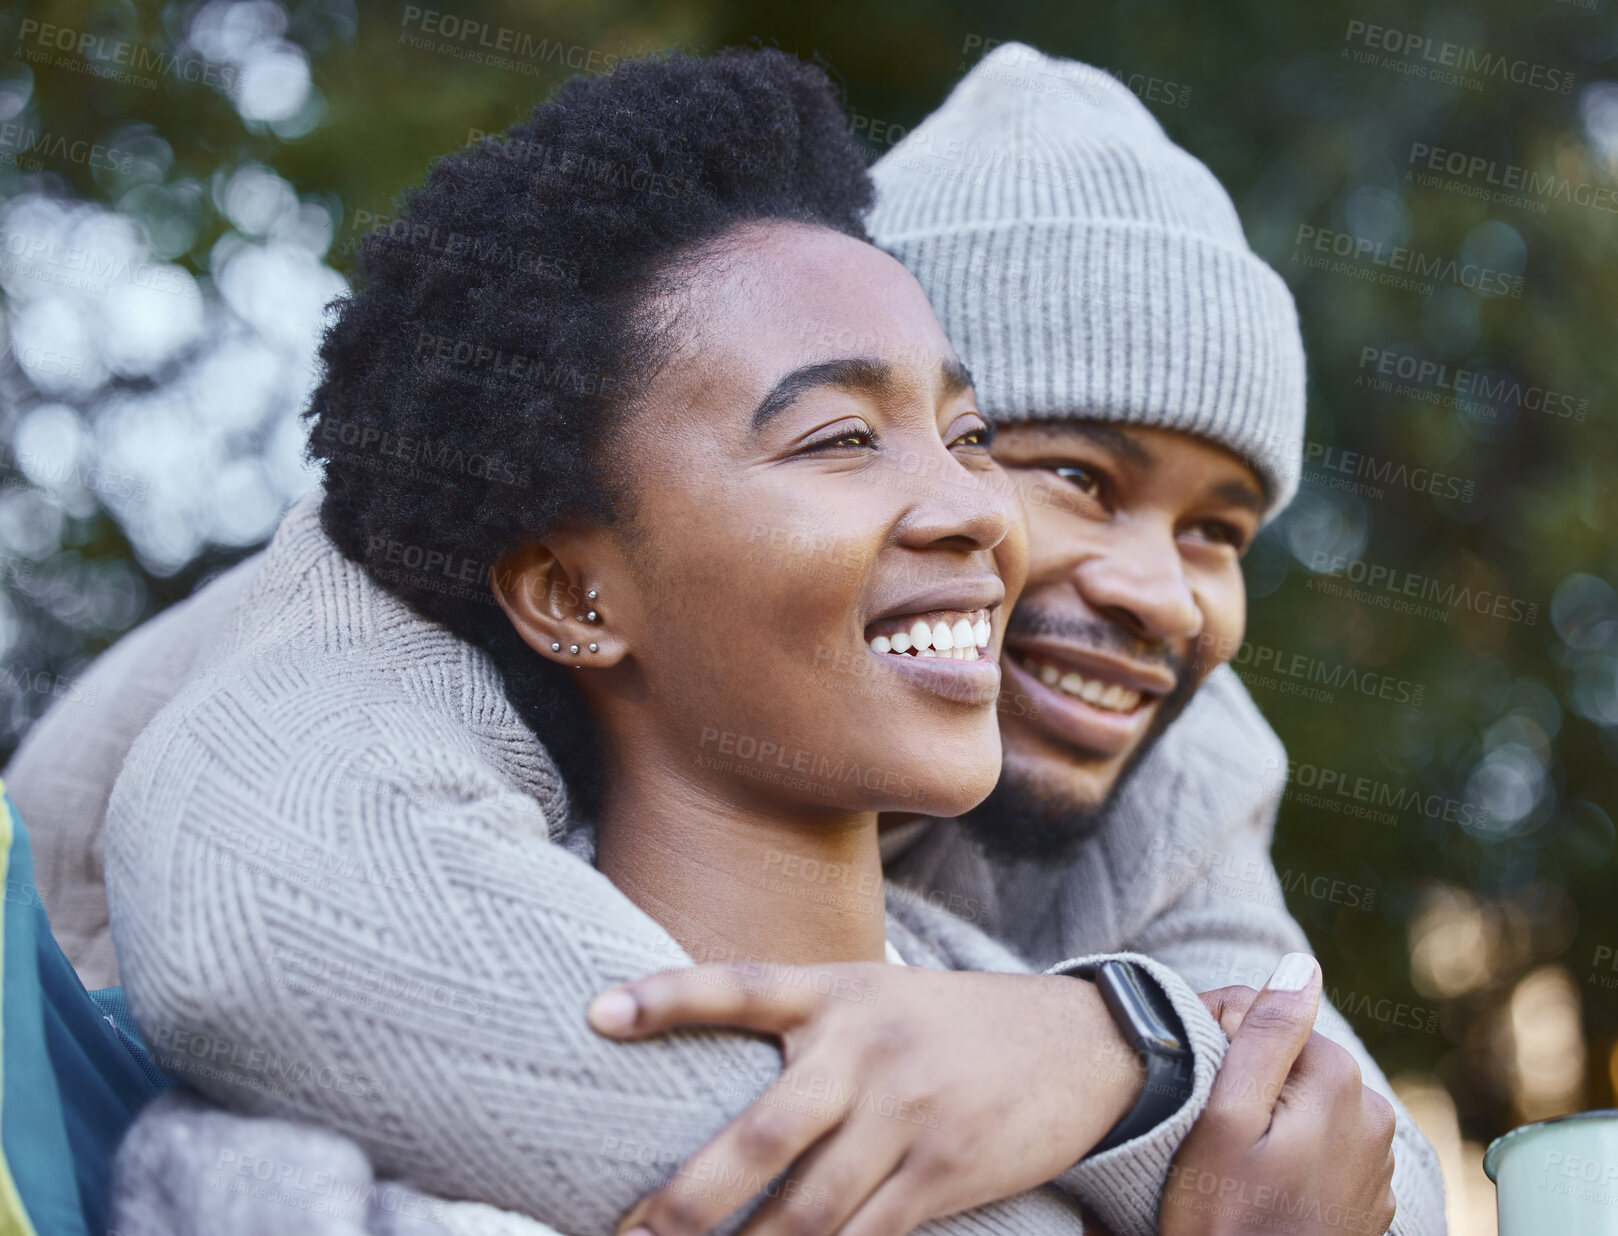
[72, 1085]
[33, 1130]
[113, 1006]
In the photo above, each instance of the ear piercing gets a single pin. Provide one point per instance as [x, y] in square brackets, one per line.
[591, 616]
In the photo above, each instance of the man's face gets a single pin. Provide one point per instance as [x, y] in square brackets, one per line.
[1134, 594]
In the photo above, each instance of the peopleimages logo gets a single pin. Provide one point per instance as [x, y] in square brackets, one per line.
[1305, 675]
[1452, 62]
[1424, 588]
[1316, 785]
[1502, 182]
[1435, 382]
[1362, 466]
[115, 60]
[1144, 86]
[1397, 265]
[499, 46]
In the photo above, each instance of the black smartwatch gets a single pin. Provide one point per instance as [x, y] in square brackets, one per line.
[1150, 1025]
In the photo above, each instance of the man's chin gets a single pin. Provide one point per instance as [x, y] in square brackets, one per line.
[1028, 819]
[1044, 807]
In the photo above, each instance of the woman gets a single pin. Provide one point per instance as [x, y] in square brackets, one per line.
[629, 404]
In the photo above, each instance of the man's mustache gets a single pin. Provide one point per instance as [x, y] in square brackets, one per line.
[1093, 633]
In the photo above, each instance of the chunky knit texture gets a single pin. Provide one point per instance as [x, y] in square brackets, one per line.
[337, 895]
[1086, 267]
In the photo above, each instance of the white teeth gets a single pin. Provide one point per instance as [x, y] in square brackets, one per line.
[1107, 696]
[954, 641]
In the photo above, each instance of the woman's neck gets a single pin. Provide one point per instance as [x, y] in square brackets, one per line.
[731, 884]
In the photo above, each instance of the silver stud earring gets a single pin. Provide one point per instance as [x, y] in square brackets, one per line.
[574, 649]
[556, 647]
[591, 595]
[593, 648]
[592, 616]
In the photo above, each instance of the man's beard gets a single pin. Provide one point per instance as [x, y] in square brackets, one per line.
[1027, 820]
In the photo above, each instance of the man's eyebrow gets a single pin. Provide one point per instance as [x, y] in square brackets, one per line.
[855, 373]
[1240, 493]
[1114, 439]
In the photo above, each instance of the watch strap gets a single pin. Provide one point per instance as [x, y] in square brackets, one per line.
[1150, 1025]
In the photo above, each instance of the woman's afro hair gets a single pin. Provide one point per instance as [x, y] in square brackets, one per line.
[473, 380]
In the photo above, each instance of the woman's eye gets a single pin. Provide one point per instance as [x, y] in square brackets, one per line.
[981, 435]
[848, 438]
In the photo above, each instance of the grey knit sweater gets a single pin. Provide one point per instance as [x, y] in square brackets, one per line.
[337, 895]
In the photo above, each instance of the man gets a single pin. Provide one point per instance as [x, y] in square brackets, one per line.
[1132, 464]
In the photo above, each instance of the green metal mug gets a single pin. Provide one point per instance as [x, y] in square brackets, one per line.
[1558, 1176]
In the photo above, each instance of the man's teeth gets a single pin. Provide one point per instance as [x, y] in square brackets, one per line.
[954, 636]
[1109, 697]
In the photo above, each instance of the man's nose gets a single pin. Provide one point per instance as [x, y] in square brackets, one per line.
[1139, 581]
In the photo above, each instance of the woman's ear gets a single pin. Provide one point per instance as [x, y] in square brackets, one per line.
[558, 613]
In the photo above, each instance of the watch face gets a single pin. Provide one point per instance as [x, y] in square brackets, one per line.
[1142, 1010]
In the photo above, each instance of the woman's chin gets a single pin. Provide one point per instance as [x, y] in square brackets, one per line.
[951, 795]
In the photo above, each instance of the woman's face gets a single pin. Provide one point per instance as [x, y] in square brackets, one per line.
[813, 497]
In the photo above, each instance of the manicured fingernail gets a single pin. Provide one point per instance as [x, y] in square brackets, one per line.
[613, 1012]
[1293, 974]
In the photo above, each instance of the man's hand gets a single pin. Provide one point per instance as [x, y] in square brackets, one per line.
[906, 1094]
[1290, 1140]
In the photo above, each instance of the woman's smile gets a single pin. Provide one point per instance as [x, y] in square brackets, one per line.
[939, 639]
[956, 635]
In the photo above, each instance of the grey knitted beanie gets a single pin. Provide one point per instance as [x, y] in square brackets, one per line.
[1086, 267]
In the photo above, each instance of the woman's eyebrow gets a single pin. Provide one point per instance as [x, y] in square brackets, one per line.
[956, 378]
[854, 373]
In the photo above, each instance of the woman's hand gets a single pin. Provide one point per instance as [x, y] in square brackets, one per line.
[906, 1094]
[1290, 1140]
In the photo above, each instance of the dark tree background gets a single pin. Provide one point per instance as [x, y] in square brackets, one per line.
[1433, 623]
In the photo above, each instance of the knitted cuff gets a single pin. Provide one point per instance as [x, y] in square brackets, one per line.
[1125, 1184]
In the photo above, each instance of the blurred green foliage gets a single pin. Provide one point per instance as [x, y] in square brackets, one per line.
[1514, 715]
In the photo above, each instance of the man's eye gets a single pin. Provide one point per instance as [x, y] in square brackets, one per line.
[1221, 533]
[1086, 480]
